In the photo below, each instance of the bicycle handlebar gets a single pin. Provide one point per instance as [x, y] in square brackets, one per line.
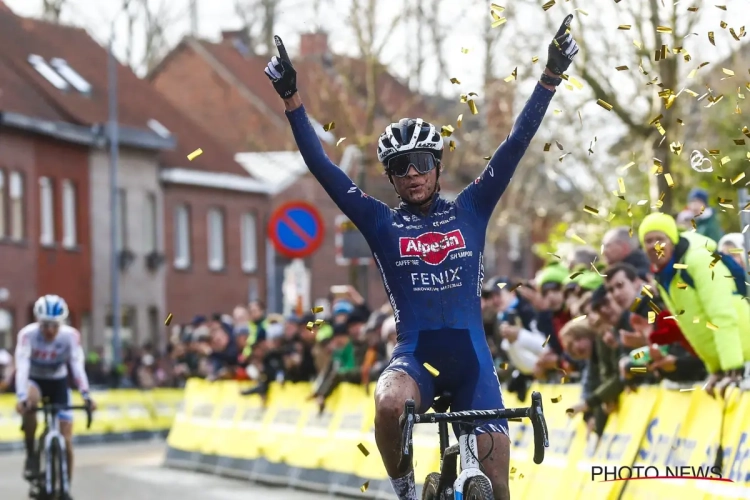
[56, 408]
[535, 413]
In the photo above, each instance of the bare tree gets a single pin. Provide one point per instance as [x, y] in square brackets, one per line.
[51, 10]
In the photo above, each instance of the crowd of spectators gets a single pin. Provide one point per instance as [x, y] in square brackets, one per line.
[664, 304]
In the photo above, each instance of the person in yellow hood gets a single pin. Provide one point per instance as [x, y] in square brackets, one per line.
[698, 287]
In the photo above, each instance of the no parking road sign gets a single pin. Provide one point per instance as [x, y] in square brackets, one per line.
[296, 229]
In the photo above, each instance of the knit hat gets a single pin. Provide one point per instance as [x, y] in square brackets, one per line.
[553, 274]
[737, 240]
[698, 194]
[658, 221]
[589, 280]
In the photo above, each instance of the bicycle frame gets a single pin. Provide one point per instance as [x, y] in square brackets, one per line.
[467, 441]
[52, 433]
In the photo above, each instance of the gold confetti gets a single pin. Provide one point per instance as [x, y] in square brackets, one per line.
[329, 126]
[316, 310]
[621, 68]
[711, 38]
[464, 50]
[578, 239]
[452, 145]
[557, 399]
[738, 178]
[515, 420]
[364, 487]
[318, 322]
[501, 285]
[545, 341]
[168, 320]
[310, 325]
[621, 184]
[364, 450]
[455, 81]
[590, 210]
[340, 141]
[559, 146]
[195, 154]
[688, 389]
[430, 369]
[513, 76]
[499, 22]
[663, 29]
[547, 6]
[460, 120]
[638, 369]
[578, 318]
[473, 107]
[680, 266]
[582, 11]
[570, 412]
[534, 59]
[547, 146]
[727, 71]
[668, 178]
[681, 286]
[575, 275]
[503, 366]
[651, 317]
[604, 104]
[447, 130]
[638, 355]
[711, 326]
[624, 27]
[722, 7]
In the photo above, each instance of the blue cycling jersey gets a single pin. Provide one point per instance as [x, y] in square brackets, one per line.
[431, 264]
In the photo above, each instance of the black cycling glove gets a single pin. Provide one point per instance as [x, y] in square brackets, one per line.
[562, 50]
[281, 72]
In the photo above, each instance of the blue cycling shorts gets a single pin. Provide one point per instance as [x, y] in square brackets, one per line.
[466, 371]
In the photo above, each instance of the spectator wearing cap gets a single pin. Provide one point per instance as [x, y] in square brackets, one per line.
[701, 290]
[619, 246]
[706, 222]
[734, 244]
[583, 281]
[549, 301]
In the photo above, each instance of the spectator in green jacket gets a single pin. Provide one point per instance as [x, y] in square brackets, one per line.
[705, 219]
[710, 311]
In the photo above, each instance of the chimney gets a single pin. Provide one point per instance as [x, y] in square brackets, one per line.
[239, 39]
[313, 44]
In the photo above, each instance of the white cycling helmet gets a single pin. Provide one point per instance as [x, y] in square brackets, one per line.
[51, 308]
[409, 134]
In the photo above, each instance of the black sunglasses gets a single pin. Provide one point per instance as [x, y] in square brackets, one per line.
[422, 162]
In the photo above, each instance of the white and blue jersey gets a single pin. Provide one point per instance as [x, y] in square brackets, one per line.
[431, 265]
[45, 364]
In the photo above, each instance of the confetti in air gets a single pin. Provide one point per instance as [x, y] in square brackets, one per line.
[195, 154]
[168, 320]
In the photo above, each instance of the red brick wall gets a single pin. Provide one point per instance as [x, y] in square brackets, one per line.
[18, 261]
[198, 290]
[63, 271]
[191, 85]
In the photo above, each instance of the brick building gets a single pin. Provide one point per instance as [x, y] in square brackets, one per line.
[185, 228]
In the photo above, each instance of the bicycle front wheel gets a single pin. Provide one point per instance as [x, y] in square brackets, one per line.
[478, 488]
[430, 488]
[57, 469]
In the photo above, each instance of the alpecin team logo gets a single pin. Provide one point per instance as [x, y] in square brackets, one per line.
[432, 247]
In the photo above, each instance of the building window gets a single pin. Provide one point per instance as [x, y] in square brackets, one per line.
[128, 332]
[181, 237]
[215, 239]
[16, 206]
[154, 325]
[150, 224]
[122, 220]
[3, 228]
[249, 243]
[6, 330]
[70, 238]
[46, 212]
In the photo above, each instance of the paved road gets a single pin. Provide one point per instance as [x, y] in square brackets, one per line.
[129, 471]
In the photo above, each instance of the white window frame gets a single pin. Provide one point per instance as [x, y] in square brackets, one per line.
[17, 213]
[71, 75]
[70, 213]
[249, 242]
[215, 238]
[47, 72]
[181, 236]
[3, 223]
[46, 212]
[151, 224]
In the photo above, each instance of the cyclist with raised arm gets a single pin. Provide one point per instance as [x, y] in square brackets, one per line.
[429, 252]
[43, 351]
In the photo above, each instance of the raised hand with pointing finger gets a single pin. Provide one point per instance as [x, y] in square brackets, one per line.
[281, 72]
[560, 53]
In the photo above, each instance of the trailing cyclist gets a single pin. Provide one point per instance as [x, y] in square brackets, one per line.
[429, 252]
[43, 351]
